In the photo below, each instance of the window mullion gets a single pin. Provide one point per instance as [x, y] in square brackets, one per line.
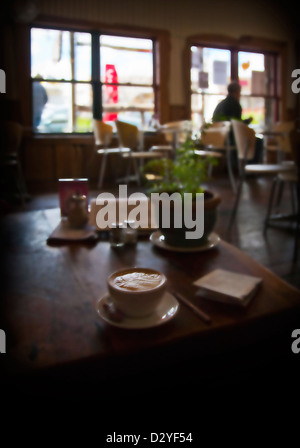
[234, 65]
[96, 82]
[155, 75]
[73, 77]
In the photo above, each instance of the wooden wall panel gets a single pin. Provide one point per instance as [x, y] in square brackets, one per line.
[68, 160]
[38, 161]
[47, 159]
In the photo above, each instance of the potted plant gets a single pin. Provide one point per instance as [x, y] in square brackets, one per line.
[186, 173]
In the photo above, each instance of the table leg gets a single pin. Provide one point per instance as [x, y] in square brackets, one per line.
[230, 171]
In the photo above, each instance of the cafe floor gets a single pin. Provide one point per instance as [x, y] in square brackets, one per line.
[273, 250]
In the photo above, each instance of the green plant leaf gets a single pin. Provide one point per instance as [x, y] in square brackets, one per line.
[185, 174]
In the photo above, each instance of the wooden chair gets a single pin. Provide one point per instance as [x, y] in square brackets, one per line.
[295, 145]
[167, 150]
[103, 135]
[216, 138]
[10, 158]
[280, 136]
[130, 137]
[287, 178]
[245, 142]
[292, 178]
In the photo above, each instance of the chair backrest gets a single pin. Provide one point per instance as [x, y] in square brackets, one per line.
[128, 135]
[183, 128]
[284, 140]
[295, 148]
[13, 134]
[216, 135]
[103, 133]
[244, 139]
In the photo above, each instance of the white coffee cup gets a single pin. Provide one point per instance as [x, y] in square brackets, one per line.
[136, 292]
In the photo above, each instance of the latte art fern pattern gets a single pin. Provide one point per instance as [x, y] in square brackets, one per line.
[137, 281]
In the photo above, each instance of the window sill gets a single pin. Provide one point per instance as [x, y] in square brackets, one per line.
[75, 138]
[70, 138]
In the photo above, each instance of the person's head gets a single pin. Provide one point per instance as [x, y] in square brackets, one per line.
[234, 89]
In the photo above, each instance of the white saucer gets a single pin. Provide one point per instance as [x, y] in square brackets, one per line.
[164, 312]
[159, 240]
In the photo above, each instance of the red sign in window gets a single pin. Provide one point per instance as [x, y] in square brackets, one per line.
[111, 91]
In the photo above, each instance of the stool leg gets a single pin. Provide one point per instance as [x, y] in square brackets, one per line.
[280, 192]
[270, 204]
[230, 172]
[19, 184]
[297, 230]
[236, 203]
[293, 197]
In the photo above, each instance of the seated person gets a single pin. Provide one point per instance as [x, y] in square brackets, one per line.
[230, 108]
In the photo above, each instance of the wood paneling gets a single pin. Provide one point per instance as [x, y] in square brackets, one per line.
[178, 112]
[46, 159]
[68, 160]
[38, 161]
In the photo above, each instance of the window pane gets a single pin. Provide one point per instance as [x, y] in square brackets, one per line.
[210, 103]
[57, 113]
[58, 55]
[271, 111]
[203, 107]
[210, 70]
[83, 100]
[134, 103]
[50, 54]
[253, 107]
[130, 59]
[252, 76]
[82, 60]
[197, 113]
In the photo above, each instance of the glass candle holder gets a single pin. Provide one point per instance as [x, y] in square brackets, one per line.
[117, 235]
[131, 233]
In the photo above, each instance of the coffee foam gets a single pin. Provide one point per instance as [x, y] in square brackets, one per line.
[137, 281]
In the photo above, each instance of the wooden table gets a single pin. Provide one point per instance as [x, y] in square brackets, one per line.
[52, 328]
[175, 128]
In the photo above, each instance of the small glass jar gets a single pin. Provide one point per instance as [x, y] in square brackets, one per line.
[131, 233]
[78, 214]
[117, 235]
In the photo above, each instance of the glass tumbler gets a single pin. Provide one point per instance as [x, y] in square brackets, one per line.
[131, 233]
[117, 235]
